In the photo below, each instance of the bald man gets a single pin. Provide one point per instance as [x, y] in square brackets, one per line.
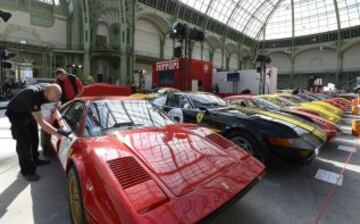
[24, 113]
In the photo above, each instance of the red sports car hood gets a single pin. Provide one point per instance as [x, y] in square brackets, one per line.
[180, 158]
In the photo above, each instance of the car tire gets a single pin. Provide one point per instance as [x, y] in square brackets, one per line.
[46, 145]
[248, 143]
[76, 205]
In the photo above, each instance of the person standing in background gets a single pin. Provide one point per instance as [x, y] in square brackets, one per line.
[70, 85]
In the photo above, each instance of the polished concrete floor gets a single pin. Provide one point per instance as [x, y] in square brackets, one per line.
[287, 194]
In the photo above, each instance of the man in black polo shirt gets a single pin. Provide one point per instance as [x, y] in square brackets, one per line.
[24, 113]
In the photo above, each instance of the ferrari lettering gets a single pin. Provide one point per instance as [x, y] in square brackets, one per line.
[168, 65]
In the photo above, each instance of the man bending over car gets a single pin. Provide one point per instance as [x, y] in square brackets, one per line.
[24, 113]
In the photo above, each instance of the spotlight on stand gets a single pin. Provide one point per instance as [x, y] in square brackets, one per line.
[261, 62]
[5, 15]
[4, 55]
[263, 58]
[178, 52]
[178, 31]
[197, 35]
[74, 69]
[186, 36]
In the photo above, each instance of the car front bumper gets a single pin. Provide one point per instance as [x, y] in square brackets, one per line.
[299, 154]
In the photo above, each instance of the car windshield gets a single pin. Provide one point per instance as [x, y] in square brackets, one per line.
[317, 96]
[206, 100]
[307, 97]
[293, 99]
[159, 102]
[107, 115]
[280, 101]
[267, 104]
[243, 102]
[286, 102]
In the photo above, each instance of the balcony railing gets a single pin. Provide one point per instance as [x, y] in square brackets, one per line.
[45, 44]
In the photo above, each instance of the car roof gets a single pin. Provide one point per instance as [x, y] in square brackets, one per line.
[190, 92]
[196, 92]
[239, 97]
[283, 94]
[97, 98]
[268, 95]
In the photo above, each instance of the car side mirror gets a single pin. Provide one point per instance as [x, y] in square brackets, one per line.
[204, 109]
[176, 118]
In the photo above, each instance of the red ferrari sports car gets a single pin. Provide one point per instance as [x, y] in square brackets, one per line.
[249, 100]
[126, 162]
[338, 103]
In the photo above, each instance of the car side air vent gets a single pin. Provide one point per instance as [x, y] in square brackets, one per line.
[128, 171]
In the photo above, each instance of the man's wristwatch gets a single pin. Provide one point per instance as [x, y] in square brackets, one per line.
[63, 132]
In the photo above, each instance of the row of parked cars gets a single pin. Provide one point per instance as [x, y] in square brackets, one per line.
[279, 126]
[180, 157]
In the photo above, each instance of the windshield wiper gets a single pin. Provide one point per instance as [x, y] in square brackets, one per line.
[212, 105]
[158, 110]
[123, 125]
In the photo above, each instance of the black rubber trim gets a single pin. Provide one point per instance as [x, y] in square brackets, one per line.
[221, 209]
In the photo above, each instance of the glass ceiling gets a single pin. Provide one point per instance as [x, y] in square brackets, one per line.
[310, 16]
[51, 2]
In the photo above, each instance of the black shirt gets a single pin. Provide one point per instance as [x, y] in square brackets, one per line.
[29, 99]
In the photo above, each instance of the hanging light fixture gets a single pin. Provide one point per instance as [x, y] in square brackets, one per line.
[5, 15]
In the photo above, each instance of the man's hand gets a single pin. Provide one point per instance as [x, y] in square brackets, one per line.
[64, 133]
[48, 128]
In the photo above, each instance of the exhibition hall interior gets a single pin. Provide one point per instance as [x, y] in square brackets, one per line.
[179, 111]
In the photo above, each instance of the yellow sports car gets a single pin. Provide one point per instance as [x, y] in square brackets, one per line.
[153, 94]
[308, 107]
[329, 115]
[325, 105]
[144, 96]
[280, 117]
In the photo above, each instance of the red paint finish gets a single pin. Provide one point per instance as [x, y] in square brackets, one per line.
[223, 95]
[104, 89]
[184, 71]
[330, 128]
[336, 102]
[196, 159]
[348, 97]
[179, 173]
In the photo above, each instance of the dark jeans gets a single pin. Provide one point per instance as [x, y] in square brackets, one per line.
[24, 130]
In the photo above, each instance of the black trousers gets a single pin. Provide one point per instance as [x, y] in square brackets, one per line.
[25, 131]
